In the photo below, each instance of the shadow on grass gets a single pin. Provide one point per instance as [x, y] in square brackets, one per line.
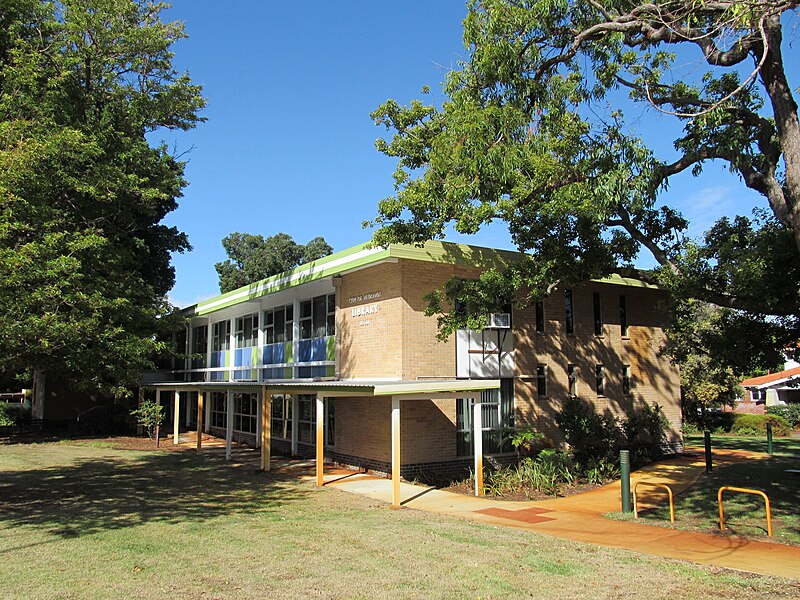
[99, 494]
[785, 446]
[745, 513]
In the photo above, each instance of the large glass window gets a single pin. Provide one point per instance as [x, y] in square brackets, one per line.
[282, 416]
[497, 416]
[247, 331]
[220, 336]
[278, 324]
[317, 317]
[219, 413]
[245, 412]
[568, 312]
[306, 418]
[200, 339]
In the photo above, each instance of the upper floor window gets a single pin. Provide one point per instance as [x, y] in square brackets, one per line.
[598, 317]
[623, 316]
[247, 331]
[572, 380]
[200, 339]
[626, 380]
[220, 336]
[540, 316]
[600, 379]
[318, 317]
[569, 312]
[541, 380]
[279, 324]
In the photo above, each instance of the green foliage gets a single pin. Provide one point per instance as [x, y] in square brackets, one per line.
[149, 415]
[790, 412]
[752, 425]
[252, 258]
[12, 414]
[84, 257]
[585, 430]
[534, 133]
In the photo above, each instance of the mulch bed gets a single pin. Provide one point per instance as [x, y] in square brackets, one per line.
[117, 442]
[467, 489]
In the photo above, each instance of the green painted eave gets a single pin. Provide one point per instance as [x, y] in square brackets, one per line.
[364, 255]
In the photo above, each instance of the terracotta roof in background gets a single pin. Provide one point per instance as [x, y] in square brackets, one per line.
[771, 377]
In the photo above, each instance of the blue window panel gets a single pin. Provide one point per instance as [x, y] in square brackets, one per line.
[319, 350]
[308, 372]
[219, 376]
[217, 359]
[273, 354]
[272, 373]
[304, 350]
[243, 357]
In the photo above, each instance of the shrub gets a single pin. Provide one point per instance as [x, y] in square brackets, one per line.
[756, 425]
[790, 412]
[149, 415]
[584, 429]
[12, 414]
[647, 425]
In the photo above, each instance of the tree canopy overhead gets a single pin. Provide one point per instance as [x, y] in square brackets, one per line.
[84, 258]
[252, 258]
[533, 133]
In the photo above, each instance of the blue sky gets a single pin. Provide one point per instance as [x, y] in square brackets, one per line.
[289, 143]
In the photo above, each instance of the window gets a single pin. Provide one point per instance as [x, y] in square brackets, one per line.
[540, 316]
[200, 339]
[219, 411]
[247, 331]
[626, 379]
[623, 316]
[220, 336]
[496, 416]
[572, 380]
[541, 380]
[245, 411]
[318, 317]
[758, 395]
[305, 418]
[330, 421]
[598, 317]
[568, 312]
[279, 325]
[600, 379]
[282, 416]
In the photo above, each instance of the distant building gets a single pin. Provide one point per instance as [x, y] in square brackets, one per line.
[341, 347]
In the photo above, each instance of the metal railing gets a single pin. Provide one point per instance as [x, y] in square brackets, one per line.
[744, 491]
[656, 485]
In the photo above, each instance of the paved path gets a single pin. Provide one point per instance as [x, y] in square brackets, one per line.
[579, 517]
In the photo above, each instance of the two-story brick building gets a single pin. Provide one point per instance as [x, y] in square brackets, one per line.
[340, 350]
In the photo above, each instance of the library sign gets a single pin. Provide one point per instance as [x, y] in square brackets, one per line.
[365, 308]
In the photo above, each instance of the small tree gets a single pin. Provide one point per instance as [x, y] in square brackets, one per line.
[149, 415]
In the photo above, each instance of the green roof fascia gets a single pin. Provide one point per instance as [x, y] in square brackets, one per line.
[364, 254]
[306, 273]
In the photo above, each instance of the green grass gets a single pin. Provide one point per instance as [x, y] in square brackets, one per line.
[697, 509]
[80, 521]
[786, 446]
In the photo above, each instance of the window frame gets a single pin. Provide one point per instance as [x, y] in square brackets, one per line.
[221, 341]
[541, 380]
[623, 315]
[240, 416]
[497, 442]
[626, 380]
[600, 380]
[572, 380]
[241, 328]
[219, 418]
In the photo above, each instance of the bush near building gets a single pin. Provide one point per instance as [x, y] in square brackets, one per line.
[790, 412]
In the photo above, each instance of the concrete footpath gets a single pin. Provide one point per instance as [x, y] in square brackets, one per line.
[579, 517]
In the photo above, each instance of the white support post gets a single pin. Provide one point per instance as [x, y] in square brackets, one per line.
[229, 424]
[320, 438]
[176, 419]
[395, 451]
[477, 436]
[295, 347]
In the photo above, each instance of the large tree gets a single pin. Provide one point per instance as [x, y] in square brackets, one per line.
[84, 258]
[534, 132]
[254, 257]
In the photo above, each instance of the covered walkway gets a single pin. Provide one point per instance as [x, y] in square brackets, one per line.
[579, 518]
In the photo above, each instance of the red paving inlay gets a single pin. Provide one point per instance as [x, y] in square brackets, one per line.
[530, 515]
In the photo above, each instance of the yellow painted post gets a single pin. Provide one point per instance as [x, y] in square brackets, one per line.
[477, 435]
[320, 439]
[266, 429]
[200, 419]
[395, 451]
[176, 418]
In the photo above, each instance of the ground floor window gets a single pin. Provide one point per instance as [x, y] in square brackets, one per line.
[219, 413]
[497, 416]
[245, 412]
[330, 421]
[282, 416]
[305, 418]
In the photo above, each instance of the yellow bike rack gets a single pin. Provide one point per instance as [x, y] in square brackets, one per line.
[656, 485]
[744, 491]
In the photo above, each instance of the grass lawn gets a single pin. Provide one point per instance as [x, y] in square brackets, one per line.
[88, 521]
[697, 508]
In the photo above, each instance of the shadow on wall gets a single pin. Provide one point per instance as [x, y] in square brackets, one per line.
[89, 496]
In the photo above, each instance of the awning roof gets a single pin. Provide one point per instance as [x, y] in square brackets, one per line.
[344, 387]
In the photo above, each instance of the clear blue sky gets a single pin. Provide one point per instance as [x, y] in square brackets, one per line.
[289, 143]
